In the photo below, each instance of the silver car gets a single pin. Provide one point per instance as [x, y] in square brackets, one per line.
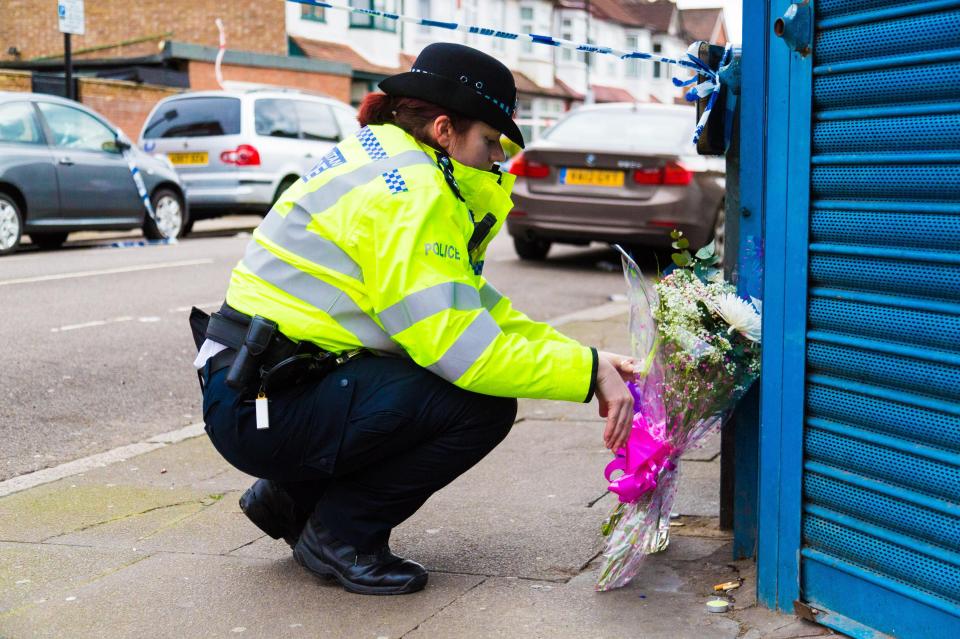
[619, 172]
[64, 167]
[237, 151]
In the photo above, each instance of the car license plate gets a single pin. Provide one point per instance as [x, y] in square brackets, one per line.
[195, 158]
[591, 177]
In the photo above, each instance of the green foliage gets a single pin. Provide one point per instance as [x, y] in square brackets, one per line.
[703, 263]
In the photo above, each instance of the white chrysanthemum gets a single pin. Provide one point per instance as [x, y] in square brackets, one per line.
[740, 315]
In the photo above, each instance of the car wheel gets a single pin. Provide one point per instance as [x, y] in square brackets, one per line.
[535, 250]
[49, 241]
[285, 184]
[170, 215]
[11, 224]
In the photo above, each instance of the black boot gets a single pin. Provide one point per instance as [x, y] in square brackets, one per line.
[381, 573]
[273, 511]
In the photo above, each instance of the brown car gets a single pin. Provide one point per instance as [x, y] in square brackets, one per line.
[620, 173]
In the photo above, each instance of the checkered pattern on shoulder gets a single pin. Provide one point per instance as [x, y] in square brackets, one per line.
[395, 181]
[371, 144]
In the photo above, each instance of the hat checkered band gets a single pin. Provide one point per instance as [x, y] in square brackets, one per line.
[371, 144]
[395, 181]
[508, 109]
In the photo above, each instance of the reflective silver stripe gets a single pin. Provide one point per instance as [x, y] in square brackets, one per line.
[489, 296]
[467, 349]
[422, 304]
[318, 293]
[327, 195]
[290, 232]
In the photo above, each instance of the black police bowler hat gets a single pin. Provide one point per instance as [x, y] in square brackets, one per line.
[463, 80]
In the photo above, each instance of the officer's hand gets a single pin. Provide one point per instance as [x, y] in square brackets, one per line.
[626, 366]
[616, 402]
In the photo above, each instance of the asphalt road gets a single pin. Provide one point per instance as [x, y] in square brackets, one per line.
[96, 350]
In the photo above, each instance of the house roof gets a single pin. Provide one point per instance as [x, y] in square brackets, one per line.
[603, 93]
[528, 87]
[655, 15]
[336, 52]
[701, 24]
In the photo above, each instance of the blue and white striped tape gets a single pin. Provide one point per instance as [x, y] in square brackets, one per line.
[141, 187]
[710, 87]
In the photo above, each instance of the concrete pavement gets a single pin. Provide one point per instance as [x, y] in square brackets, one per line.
[156, 545]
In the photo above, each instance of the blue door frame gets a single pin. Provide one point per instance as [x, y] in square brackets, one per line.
[785, 182]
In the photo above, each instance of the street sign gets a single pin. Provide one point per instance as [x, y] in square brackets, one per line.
[70, 14]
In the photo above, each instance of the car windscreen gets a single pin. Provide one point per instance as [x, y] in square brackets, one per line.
[195, 117]
[666, 132]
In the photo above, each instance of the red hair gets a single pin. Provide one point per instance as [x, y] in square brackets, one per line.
[410, 114]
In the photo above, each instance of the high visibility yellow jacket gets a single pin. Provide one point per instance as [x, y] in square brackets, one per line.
[374, 248]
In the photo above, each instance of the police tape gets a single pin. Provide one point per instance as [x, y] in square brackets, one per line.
[710, 87]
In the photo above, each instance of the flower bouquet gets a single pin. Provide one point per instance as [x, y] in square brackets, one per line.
[699, 348]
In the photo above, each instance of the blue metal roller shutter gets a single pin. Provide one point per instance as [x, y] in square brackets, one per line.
[881, 502]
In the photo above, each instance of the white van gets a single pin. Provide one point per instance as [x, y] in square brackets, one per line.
[237, 151]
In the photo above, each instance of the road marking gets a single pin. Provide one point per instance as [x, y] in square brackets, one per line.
[73, 327]
[106, 271]
[185, 309]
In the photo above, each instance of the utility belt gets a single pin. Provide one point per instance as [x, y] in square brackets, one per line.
[259, 356]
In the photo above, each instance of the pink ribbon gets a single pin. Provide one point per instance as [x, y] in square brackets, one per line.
[641, 460]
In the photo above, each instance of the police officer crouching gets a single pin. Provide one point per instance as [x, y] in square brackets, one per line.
[361, 361]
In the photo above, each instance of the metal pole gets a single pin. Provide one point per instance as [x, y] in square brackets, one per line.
[68, 67]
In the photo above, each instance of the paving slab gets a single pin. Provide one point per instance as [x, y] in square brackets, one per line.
[35, 573]
[707, 450]
[186, 596]
[64, 506]
[210, 526]
[193, 462]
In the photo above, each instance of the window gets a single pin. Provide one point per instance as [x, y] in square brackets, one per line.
[195, 117]
[657, 132]
[317, 122]
[526, 26]
[498, 11]
[423, 11]
[567, 33]
[470, 17]
[275, 118]
[633, 64]
[347, 121]
[657, 48]
[76, 129]
[312, 12]
[363, 21]
[18, 124]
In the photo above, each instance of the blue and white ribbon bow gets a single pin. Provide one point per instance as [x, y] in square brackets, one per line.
[709, 87]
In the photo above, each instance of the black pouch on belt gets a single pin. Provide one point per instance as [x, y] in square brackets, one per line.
[297, 370]
[245, 369]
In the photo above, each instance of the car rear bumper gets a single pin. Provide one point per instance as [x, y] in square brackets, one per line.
[234, 189]
[579, 219]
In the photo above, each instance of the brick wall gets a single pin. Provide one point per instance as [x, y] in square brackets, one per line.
[251, 25]
[14, 80]
[202, 77]
[126, 104]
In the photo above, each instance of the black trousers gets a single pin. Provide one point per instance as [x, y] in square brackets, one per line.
[363, 448]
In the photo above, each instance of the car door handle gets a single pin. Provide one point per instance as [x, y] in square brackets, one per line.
[65, 161]
[308, 155]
